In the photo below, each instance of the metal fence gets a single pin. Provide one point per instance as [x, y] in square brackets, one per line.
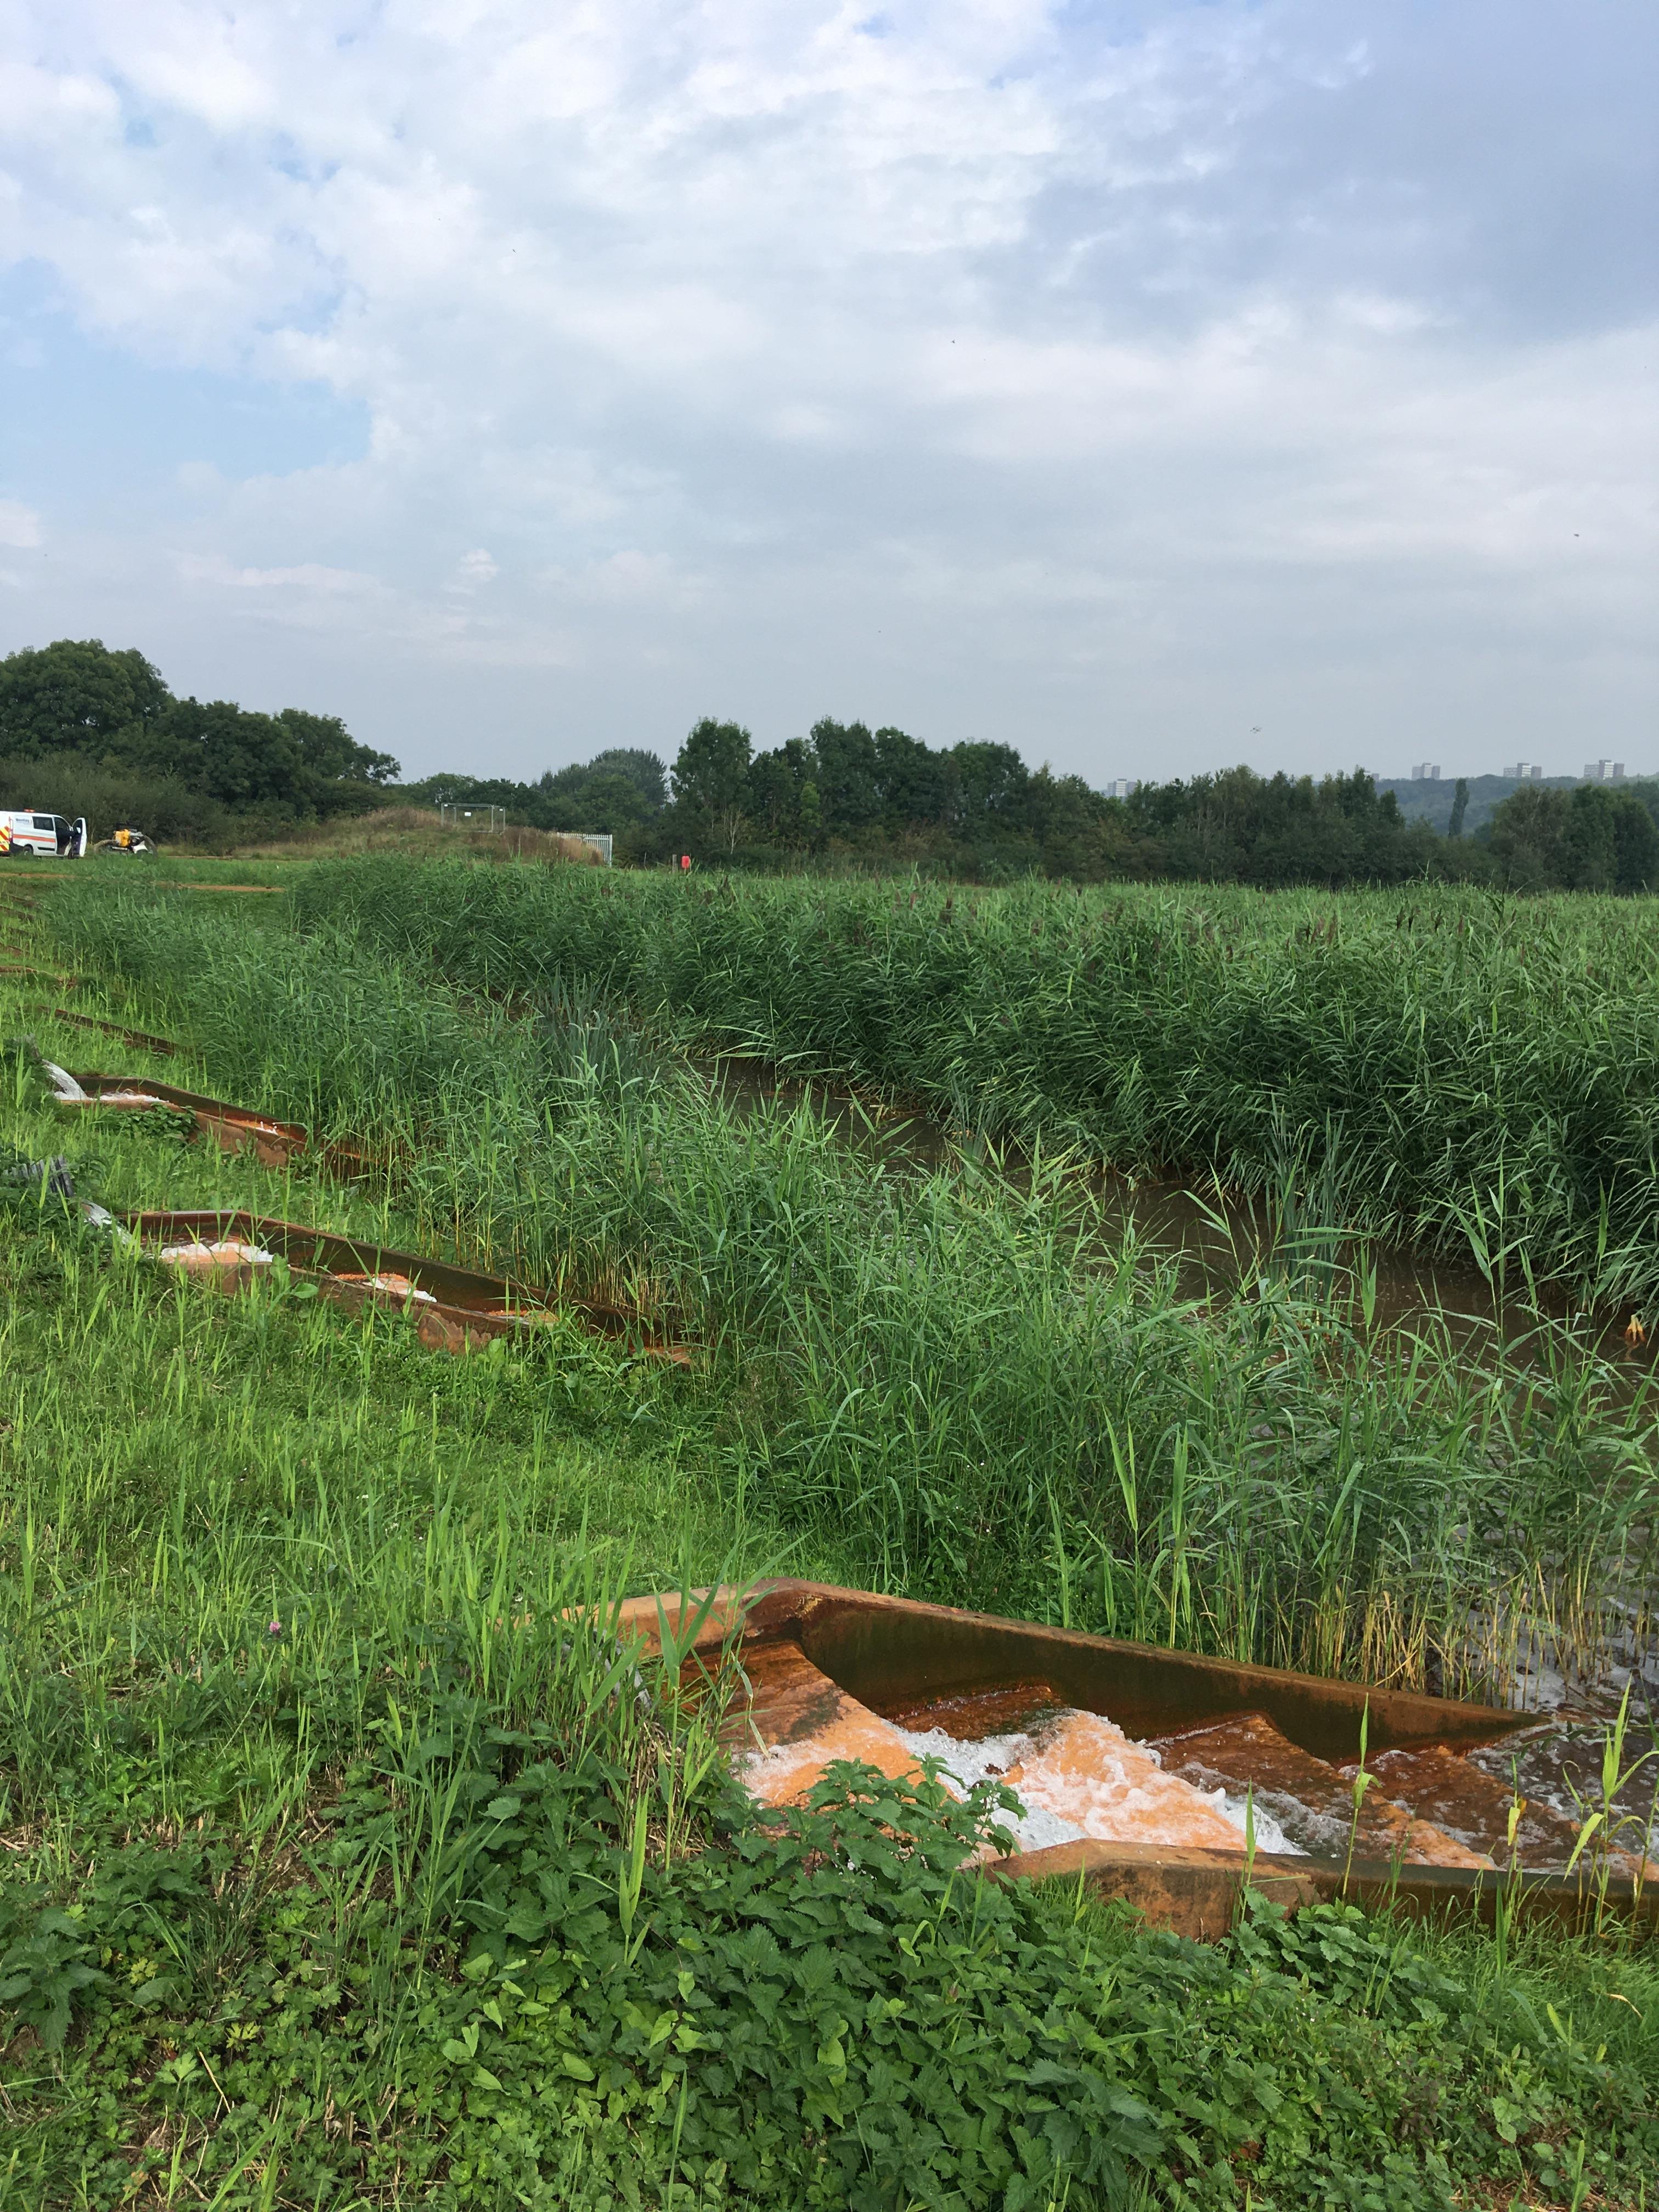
[454, 817]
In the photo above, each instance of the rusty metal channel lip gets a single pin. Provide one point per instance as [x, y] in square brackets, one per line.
[142, 1038]
[215, 1109]
[895, 1650]
[1187, 1886]
[1192, 1887]
[322, 1251]
[460, 1293]
[889, 1650]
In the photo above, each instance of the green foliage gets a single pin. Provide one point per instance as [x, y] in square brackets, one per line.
[1238, 826]
[1591, 839]
[1458, 1071]
[44, 1964]
[68, 783]
[86, 716]
[620, 790]
[349, 1860]
[75, 696]
[976, 809]
[710, 777]
[974, 1388]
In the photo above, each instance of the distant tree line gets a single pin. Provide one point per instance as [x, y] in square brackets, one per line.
[618, 791]
[86, 730]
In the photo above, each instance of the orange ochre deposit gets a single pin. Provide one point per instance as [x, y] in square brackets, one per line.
[1076, 1774]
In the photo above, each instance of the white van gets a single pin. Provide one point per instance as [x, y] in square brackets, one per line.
[23, 834]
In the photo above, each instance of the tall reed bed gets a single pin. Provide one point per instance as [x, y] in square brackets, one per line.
[1475, 1074]
[940, 1368]
[349, 1862]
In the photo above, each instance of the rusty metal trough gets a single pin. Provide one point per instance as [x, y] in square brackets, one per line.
[835, 1673]
[233, 1128]
[453, 1309]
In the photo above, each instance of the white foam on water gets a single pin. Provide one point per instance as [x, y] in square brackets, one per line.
[987, 1760]
[1041, 1824]
[1269, 1836]
[227, 1252]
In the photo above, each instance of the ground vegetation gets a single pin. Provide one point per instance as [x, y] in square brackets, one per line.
[1457, 1070]
[349, 1864]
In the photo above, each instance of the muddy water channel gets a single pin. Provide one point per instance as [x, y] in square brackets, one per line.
[1219, 1244]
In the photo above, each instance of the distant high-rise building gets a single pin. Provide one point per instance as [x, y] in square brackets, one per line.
[1526, 772]
[1604, 771]
[1428, 772]
[1122, 787]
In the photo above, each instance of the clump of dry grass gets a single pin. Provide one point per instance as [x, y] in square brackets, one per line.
[418, 832]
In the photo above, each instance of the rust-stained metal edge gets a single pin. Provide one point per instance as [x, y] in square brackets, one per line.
[1195, 1891]
[233, 1128]
[64, 980]
[893, 1651]
[469, 1309]
[141, 1038]
[1198, 1893]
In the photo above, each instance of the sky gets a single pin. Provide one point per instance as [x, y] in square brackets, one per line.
[1149, 387]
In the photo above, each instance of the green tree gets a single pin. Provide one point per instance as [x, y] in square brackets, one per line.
[915, 781]
[618, 789]
[244, 760]
[76, 695]
[1526, 836]
[1460, 808]
[782, 792]
[643, 769]
[850, 777]
[1635, 845]
[710, 775]
[328, 753]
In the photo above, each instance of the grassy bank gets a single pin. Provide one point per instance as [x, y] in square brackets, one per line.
[942, 1375]
[343, 1869]
[1462, 1071]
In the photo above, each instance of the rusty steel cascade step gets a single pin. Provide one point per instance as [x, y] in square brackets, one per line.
[453, 1309]
[1312, 1801]
[1139, 1743]
[1076, 1764]
[1475, 1805]
[273, 1144]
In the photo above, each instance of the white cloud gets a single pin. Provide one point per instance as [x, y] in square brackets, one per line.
[19, 526]
[781, 362]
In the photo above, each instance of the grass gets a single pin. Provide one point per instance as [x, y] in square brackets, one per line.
[944, 1373]
[415, 1897]
[1463, 1071]
[338, 1874]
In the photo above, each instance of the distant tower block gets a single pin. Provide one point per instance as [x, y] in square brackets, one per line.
[1604, 771]
[1526, 772]
[1123, 787]
[1428, 772]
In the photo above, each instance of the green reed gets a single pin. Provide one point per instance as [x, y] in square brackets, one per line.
[985, 1393]
[1466, 1071]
